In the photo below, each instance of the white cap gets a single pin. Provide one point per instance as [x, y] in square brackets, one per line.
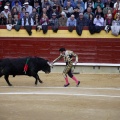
[63, 13]
[6, 7]
[109, 15]
[26, 3]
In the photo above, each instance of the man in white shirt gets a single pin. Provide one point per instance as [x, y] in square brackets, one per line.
[6, 11]
[98, 20]
[27, 20]
[28, 7]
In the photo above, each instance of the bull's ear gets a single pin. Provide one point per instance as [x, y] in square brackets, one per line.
[49, 64]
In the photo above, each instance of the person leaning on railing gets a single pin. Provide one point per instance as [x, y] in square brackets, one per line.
[3, 19]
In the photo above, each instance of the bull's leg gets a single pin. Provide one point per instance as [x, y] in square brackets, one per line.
[36, 79]
[39, 79]
[7, 80]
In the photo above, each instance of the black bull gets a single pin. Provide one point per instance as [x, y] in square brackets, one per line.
[16, 66]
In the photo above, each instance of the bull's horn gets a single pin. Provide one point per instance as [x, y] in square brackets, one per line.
[49, 64]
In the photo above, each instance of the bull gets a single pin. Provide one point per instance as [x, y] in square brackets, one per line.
[23, 66]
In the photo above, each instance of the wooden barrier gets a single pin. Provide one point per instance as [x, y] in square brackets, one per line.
[97, 48]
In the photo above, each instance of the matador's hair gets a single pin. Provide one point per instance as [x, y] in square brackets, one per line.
[62, 49]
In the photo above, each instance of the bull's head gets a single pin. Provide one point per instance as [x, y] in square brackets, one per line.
[47, 68]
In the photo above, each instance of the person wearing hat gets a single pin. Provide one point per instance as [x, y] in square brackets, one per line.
[28, 7]
[81, 22]
[68, 56]
[6, 11]
[63, 19]
[54, 22]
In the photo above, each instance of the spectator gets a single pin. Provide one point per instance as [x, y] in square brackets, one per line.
[36, 19]
[98, 20]
[81, 21]
[9, 6]
[105, 10]
[28, 7]
[22, 14]
[108, 22]
[87, 14]
[99, 3]
[115, 10]
[78, 9]
[89, 3]
[54, 22]
[9, 19]
[71, 21]
[1, 7]
[117, 2]
[91, 18]
[47, 10]
[16, 20]
[81, 3]
[63, 19]
[27, 20]
[110, 2]
[55, 10]
[5, 11]
[3, 19]
[72, 3]
[99, 11]
[14, 12]
[34, 12]
[37, 6]
[115, 28]
[45, 3]
[17, 5]
[68, 9]
[57, 3]
[14, 2]
[44, 20]
[4, 2]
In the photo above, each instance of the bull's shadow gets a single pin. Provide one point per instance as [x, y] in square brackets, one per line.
[23, 66]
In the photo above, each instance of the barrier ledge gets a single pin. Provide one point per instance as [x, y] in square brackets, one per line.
[62, 33]
[90, 64]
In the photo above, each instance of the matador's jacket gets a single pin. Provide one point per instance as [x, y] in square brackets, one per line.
[68, 57]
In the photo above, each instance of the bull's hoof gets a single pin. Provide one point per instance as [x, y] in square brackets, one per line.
[41, 81]
[10, 84]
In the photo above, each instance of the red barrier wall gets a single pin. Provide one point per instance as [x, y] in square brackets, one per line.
[90, 50]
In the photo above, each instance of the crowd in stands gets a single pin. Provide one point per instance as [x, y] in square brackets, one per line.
[70, 13]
